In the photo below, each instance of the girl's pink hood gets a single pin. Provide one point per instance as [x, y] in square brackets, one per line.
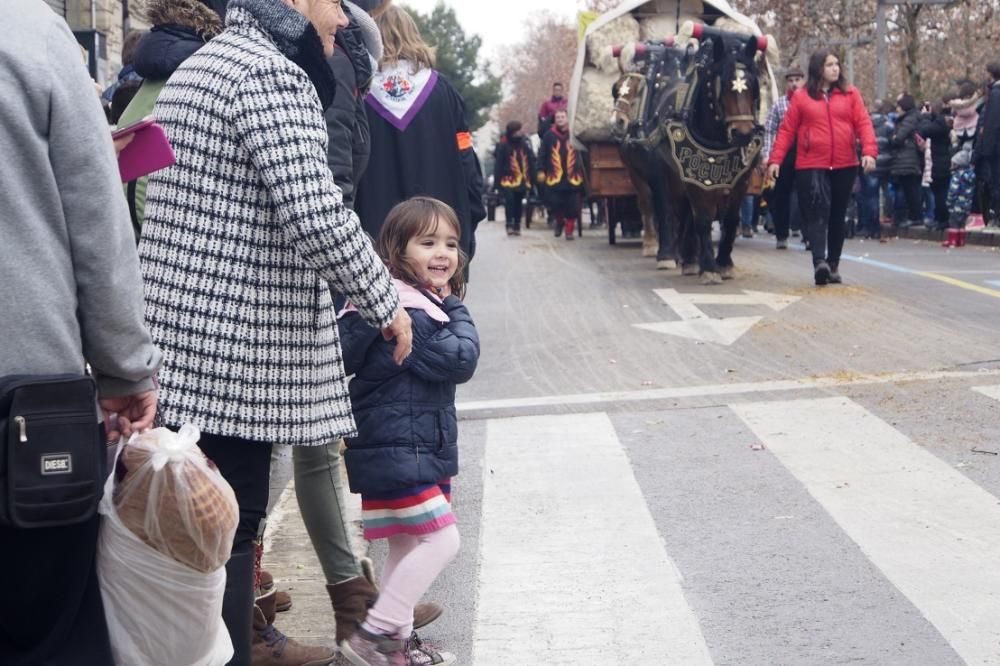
[411, 298]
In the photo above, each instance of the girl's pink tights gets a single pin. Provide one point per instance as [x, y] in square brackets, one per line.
[413, 563]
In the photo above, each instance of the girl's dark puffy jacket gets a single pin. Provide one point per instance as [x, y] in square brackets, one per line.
[407, 427]
[826, 130]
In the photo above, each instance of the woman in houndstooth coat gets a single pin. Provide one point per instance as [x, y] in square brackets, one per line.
[243, 240]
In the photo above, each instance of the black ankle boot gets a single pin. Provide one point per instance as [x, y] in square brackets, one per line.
[822, 273]
[237, 605]
[834, 273]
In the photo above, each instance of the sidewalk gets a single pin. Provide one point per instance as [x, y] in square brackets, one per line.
[289, 556]
[989, 236]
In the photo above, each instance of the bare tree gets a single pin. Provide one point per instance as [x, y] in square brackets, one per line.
[544, 56]
[930, 47]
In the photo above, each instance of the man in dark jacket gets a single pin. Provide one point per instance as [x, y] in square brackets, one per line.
[346, 121]
[988, 142]
[907, 166]
[933, 126]
[515, 164]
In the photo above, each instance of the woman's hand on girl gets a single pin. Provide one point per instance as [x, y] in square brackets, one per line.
[401, 329]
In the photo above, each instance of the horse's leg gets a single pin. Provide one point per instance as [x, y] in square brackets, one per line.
[688, 240]
[729, 223]
[703, 214]
[645, 198]
[666, 252]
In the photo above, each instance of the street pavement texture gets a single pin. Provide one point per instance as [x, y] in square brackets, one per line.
[762, 472]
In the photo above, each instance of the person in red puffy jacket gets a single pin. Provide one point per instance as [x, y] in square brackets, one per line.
[826, 120]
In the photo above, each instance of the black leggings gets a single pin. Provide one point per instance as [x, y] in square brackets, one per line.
[513, 202]
[246, 466]
[823, 198]
[913, 198]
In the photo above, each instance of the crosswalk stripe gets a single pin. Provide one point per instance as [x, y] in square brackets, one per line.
[988, 391]
[572, 568]
[934, 533]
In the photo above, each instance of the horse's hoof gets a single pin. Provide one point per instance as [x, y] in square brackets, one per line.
[727, 272]
[649, 250]
[689, 269]
[711, 278]
[665, 264]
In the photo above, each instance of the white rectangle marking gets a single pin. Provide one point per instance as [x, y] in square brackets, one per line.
[988, 391]
[934, 533]
[806, 383]
[572, 568]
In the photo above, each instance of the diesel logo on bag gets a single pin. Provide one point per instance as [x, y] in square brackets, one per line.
[57, 463]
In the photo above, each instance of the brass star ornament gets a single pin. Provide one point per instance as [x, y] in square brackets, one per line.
[740, 82]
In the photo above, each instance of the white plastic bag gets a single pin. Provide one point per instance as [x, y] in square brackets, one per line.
[173, 499]
[159, 610]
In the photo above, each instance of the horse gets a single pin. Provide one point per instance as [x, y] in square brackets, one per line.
[631, 97]
[702, 129]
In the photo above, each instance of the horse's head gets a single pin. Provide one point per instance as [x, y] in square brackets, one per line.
[738, 88]
[627, 92]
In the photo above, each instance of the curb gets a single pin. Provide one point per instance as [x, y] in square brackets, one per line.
[989, 237]
[291, 559]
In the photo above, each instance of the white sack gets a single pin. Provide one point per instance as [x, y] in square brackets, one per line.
[158, 610]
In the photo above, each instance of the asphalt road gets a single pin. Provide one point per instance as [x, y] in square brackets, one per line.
[763, 564]
[761, 472]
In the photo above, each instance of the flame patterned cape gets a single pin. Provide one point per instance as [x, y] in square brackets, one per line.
[515, 165]
[559, 165]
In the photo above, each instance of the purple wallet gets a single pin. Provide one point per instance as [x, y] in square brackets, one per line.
[149, 151]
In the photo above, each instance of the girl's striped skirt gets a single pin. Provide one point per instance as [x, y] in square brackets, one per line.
[418, 510]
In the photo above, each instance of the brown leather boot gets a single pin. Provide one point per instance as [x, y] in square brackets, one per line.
[284, 600]
[270, 647]
[424, 614]
[351, 600]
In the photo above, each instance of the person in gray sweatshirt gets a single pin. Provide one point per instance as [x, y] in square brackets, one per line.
[71, 295]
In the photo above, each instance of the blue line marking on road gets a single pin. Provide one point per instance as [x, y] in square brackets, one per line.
[880, 264]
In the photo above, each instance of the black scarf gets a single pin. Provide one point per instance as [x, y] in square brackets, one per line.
[295, 37]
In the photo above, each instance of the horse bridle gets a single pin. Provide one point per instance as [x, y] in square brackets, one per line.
[729, 120]
[624, 106]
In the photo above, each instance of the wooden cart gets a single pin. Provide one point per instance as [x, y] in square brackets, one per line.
[610, 187]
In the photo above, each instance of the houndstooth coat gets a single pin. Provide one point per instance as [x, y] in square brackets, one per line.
[245, 236]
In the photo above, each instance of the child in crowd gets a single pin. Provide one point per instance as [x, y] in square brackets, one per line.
[962, 187]
[406, 450]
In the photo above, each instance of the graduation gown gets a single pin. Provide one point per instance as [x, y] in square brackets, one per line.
[420, 145]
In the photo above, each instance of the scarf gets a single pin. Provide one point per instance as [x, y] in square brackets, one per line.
[294, 36]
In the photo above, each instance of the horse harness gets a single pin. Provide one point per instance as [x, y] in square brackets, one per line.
[704, 166]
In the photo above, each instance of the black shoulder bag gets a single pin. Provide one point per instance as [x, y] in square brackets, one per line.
[52, 459]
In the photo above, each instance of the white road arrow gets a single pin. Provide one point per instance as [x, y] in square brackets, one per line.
[696, 325]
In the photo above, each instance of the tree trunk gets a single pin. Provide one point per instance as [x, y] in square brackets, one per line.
[910, 60]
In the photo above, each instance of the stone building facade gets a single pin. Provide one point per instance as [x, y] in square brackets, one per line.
[101, 26]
